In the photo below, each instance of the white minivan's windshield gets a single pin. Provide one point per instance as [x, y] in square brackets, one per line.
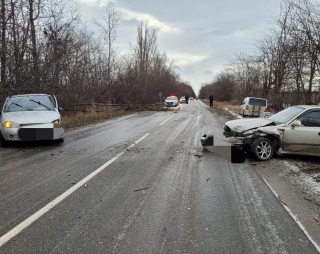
[286, 115]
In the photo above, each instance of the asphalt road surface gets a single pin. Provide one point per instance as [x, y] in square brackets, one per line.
[140, 184]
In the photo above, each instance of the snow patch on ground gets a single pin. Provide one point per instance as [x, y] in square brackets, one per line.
[310, 180]
[232, 113]
[291, 167]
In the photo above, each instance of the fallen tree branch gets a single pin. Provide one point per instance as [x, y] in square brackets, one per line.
[142, 188]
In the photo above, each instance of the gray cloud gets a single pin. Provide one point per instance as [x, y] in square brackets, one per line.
[207, 72]
[204, 34]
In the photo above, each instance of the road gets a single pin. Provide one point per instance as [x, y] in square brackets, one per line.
[140, 184]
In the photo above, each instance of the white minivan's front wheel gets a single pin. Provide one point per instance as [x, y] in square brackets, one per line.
[262, 148]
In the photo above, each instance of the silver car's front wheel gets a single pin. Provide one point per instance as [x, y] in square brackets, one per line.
[262, 148]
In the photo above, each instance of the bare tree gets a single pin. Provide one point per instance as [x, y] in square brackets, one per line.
[108, 27]
[34, 8]
[4, 18]
[145, 52]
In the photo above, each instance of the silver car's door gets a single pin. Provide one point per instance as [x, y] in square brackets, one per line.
[304, 139]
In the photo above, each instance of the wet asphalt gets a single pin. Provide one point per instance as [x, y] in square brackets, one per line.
[156, 191]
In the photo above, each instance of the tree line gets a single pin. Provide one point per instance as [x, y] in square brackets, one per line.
[285, 67]
[46, 48]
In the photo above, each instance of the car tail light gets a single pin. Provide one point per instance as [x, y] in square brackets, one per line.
[265, 110]
[247, 107]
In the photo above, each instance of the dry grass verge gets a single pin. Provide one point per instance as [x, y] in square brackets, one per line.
[76, 119]
[220, 108]
[72, 119]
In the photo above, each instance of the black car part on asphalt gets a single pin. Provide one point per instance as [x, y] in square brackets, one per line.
[227, 150]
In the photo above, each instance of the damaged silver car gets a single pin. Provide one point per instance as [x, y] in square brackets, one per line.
[294, 130]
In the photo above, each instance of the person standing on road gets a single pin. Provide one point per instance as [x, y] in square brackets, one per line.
[211, 100]
[187, 97]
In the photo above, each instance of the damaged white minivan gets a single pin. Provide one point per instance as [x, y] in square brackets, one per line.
[294, 130]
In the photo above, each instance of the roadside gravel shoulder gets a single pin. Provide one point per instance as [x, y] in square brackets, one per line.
[295, 181]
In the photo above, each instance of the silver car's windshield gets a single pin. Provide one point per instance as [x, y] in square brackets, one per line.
[28, 103]
[286, 115]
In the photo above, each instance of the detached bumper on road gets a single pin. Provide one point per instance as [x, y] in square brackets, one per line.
[219, 146]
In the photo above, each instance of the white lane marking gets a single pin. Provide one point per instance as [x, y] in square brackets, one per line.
[167, 120]
[16, 230]
[292, 215]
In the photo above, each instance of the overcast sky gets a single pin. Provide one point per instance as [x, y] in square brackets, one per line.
[200, 36]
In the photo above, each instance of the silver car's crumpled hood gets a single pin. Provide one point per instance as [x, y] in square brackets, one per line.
[242, 125]
[33, 117]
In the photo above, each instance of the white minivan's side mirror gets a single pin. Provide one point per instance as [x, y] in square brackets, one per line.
[296, 123]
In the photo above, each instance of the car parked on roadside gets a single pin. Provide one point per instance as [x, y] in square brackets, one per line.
[252, 106]
[171, 101]
[30, 117]
[183, 99]
[294, 130]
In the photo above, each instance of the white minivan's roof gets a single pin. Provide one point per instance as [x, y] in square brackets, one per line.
[255, 98]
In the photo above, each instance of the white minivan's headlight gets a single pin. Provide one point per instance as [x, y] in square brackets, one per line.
[9, 124]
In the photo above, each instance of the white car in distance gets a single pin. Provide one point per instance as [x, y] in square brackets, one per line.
[171, 101]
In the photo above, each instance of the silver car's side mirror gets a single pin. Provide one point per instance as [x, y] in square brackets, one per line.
[296, 123]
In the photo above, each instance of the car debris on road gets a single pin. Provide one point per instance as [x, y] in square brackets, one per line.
[223, 148]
